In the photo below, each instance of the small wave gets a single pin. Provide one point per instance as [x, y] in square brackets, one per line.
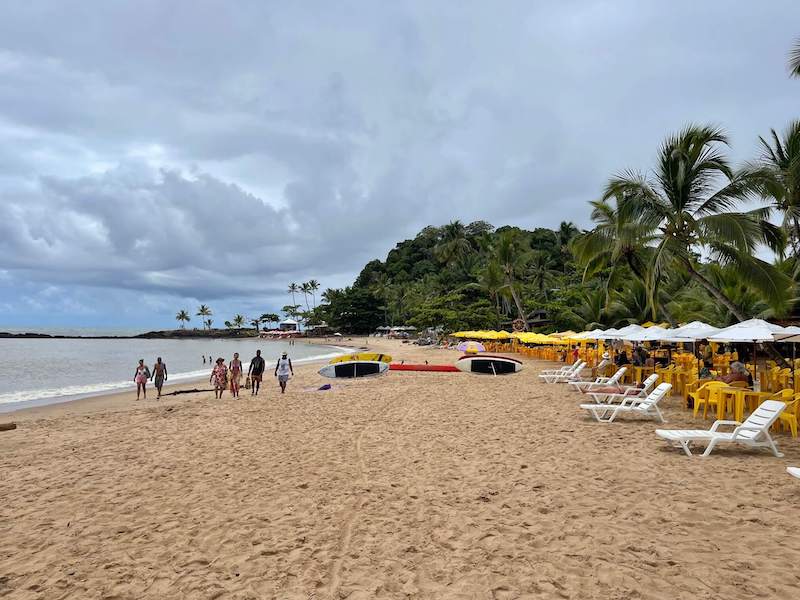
[75, 392]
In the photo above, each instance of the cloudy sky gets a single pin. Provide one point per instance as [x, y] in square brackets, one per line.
[155, 155]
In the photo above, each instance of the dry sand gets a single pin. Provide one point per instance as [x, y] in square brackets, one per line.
[412, 485]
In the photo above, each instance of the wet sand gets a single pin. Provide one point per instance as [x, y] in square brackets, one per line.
[411, 485]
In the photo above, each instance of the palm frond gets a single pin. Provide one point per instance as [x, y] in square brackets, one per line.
[794, 60]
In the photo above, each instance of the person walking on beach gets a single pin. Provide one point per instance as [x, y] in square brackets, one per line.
[256, 372]
[282, 370]
[140, 376]
[219, 377]
[235, 367]
[159, 375]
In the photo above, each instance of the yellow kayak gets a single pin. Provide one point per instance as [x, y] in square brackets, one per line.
[371, 356]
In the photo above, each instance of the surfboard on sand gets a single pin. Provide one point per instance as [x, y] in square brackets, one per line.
[370, 356]
[354, 368]
[488, 364]
[412, 367]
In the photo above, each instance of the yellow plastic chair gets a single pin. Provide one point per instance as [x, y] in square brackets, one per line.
[705, 395]
[691, 387]
[788, 418]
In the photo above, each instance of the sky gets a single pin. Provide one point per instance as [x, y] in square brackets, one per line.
[158, 155]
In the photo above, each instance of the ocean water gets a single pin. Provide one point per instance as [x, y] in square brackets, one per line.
[43, 371]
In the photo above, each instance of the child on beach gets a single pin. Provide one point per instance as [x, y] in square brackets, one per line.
[219, 377]
[160, 375]
[140, 376]
[236, 374]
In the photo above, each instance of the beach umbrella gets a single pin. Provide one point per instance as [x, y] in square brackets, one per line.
[619, 334]
[654, 333]
[753, 330]
[691, 332]
[471, 347]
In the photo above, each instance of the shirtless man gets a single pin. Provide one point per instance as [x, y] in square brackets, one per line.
[256, 372]
[159, 375]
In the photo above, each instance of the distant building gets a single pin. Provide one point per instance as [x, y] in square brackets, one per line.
[289, 325]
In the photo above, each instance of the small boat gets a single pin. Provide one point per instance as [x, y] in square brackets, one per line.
[354, 368]
[413, 367]
[370, 356]
[488, 364]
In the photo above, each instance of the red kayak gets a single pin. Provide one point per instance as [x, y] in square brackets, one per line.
[410, 367]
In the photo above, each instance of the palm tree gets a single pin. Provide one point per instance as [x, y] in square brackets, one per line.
[794, 60]
[238, 321]
[618, 240]
[228, 325]
[204, 312]
[306, 289]
[313, 285]
[512, 259]
[776, 177]
[565, 234]
[380, 289]
[255, 323]
[293, 289]
[542, 274]
[493, 281]
[685, 211]
[453, 243]
[183, 317]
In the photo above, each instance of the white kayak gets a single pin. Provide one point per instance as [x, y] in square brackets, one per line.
[354, 368]
[488, 364]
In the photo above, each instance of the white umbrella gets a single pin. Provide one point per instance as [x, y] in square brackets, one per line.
[691, 332]
[753, 330]
[620, 334]
[651, 334]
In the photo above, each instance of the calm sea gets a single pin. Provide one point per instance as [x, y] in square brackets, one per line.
[43, 371]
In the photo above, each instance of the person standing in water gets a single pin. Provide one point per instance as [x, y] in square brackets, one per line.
[219, 377]
[282, 370]
[140, 376]
[235, 367]
[256, 372]
[159, 375]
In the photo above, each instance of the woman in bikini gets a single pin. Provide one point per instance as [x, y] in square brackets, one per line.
[219, 377]
[140, 376]
[236, 374]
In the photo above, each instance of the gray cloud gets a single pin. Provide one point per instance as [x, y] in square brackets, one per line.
[194, 151]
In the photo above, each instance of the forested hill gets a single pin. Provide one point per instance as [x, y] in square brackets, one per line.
[462, 276]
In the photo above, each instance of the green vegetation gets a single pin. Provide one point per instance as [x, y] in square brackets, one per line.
[682, 242]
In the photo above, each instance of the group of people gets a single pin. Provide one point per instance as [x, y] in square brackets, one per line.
[142, 375]
[222, 375]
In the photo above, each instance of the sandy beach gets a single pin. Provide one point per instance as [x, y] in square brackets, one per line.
[411, 485]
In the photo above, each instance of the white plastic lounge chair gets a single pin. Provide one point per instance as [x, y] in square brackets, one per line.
[566, 375]
[585, 386]
[627, 392]
[574, 376]
[793, 471]
[562, 370]
[754, 432]
[646, 407]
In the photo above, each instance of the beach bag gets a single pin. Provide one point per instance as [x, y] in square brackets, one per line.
[247, 383]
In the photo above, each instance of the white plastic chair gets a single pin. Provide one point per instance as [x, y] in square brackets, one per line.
[566, 376]
[627, 392]
[753, 433]
[645, 407]
[585, 386]
[561, 370]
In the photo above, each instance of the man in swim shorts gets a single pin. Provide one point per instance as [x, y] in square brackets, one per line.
[159, 375]
[256, 372]
[282, 370]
